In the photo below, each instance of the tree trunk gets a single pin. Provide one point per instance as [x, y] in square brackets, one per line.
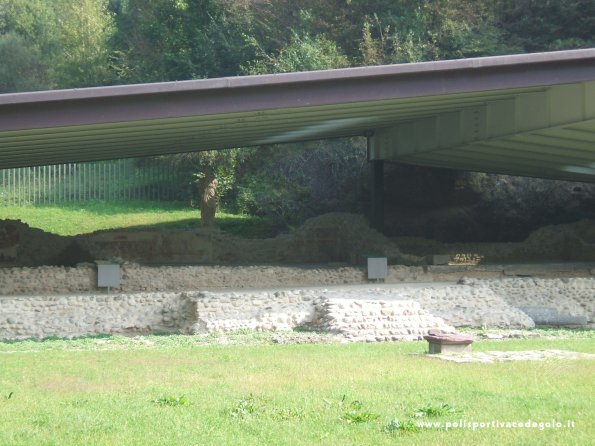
[208, 198]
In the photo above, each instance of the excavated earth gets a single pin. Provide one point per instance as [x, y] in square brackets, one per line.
[329, 238]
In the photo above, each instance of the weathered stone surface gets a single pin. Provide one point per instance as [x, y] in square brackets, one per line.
[572, 298]
[551, 316]
[448, 338]
[360, 314]
[524, 355]
[83, 278]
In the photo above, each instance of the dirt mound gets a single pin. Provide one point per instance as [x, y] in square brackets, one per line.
[21, 245]
[573, 241]
[335, 237]
[565, 242]
[349, 236]
[329, 238]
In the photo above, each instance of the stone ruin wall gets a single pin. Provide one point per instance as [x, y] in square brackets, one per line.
[156, 299]
[135, 278]
[371, 314]
[48, 280]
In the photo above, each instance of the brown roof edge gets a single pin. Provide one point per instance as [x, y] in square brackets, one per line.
[337, 75]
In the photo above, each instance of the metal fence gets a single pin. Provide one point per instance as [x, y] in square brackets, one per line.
[126, 179]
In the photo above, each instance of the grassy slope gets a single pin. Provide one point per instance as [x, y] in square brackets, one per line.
[103, 392]
[92, 216]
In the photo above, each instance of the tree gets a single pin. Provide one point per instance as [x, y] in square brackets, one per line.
[25, 36]
[57, 44]
[211, 174]
[430, 30]
[546, 25]
[289, 183]
[84, 29]
[304, 52]
[22, 67]
[165, 40]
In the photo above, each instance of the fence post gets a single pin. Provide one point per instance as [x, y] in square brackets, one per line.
[60, 180]
[34, 185]
[18, 188]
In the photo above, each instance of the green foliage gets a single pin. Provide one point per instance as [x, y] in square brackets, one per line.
[26, 43]
[22, 67]
[412, 425]
[398, 427]
[357, 415]
[444, 29]
[274, 196]
[85, 29]
[431, 410]
[172, 401]
[173, 40]
[288, 414]
[538, 25]
[61, 44]
[303, 53]
[292, 182]
[244, 408]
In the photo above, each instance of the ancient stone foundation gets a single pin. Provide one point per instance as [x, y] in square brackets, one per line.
[135, 278]
[358, 314]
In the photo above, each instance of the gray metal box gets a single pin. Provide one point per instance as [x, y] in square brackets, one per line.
[108, 274]
[377, 268]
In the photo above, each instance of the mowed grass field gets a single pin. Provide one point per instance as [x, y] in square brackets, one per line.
[178, 390]
[82, 218]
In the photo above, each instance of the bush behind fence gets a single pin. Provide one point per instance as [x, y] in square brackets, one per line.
[126, 179]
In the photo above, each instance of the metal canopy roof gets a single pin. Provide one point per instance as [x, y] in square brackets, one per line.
[530, 114]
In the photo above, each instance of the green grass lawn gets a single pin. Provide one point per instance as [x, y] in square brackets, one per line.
[175, 390]
[81, 218]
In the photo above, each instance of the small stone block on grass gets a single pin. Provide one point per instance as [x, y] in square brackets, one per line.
[441, 342]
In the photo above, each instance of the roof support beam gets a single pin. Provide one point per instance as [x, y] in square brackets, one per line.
[524, 114]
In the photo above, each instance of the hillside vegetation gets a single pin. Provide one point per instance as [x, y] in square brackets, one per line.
[64, 44]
